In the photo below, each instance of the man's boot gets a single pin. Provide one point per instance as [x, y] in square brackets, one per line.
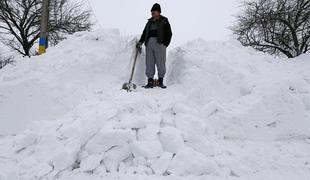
[161, 83]
[150, 83]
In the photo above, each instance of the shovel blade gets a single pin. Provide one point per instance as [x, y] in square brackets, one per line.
[129, 87]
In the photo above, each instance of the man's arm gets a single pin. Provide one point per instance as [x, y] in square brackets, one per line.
[142, 39]
[168, 33]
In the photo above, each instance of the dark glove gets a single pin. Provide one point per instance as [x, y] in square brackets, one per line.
[139, 47]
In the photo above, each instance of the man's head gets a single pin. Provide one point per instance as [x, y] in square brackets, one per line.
[156, 11]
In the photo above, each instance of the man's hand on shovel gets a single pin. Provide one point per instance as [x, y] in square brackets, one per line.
[139, 47]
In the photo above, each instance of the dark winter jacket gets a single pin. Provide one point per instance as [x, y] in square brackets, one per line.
[164, 33]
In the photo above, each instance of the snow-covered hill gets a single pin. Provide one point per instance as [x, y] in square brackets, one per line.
[229, 113]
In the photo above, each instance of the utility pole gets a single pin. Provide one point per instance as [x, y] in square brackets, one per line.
[43, 42]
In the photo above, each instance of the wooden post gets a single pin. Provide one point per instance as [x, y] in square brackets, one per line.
[43, 42]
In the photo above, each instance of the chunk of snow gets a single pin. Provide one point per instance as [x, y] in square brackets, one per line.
[106, 139]
[62, 160]
[171, 139]
[190, 162]
[148, 149]
[115, 156]
[161, 164]
[149, 133]
[26, 141]
[91, 162]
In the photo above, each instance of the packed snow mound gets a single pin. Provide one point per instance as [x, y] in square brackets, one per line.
[242, 93]
[229, 113]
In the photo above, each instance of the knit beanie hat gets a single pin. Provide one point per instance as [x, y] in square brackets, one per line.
[156, 7]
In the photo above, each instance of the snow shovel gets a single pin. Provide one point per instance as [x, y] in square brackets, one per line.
[131, 86]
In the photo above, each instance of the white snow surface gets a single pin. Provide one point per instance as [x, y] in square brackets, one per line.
[228, 113]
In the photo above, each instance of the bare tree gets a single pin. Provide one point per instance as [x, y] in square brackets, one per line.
[278, 27]
[67, 17]
[20, 22]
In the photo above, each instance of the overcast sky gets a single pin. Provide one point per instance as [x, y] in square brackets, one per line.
[208, 19]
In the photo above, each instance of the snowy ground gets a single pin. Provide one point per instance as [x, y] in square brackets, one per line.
[229, 113]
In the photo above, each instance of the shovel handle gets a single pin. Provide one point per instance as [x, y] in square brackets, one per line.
[134, 65]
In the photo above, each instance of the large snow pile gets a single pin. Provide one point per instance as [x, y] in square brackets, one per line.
[229, 113]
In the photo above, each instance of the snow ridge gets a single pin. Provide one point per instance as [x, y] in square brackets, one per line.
[229, 113]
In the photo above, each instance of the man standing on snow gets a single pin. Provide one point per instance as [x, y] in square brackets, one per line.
[156, 36]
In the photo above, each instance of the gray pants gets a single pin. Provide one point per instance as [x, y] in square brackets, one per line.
[155, 55]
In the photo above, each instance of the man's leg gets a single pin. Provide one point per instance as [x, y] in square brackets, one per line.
[160, 59]
[150, 64]
[160, 56]
[150, 60]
